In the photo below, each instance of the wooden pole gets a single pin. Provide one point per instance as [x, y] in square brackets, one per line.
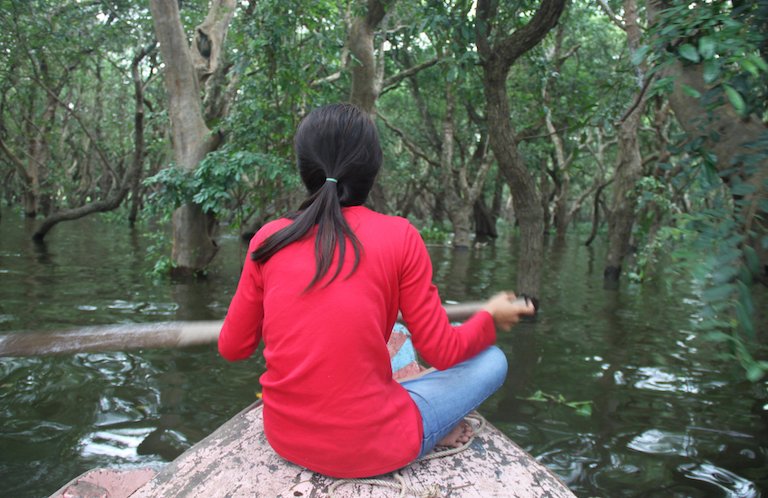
[142, 336]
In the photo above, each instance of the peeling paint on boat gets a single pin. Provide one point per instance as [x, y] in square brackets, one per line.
[237, 461]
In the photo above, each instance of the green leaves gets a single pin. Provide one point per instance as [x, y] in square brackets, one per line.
[711, 71]
[583, 408]
[639, 55]
[707, 47]
[722, 38]
[690, 91]
[735, 98]
[720, 264]
[220, 184]
[689, 52]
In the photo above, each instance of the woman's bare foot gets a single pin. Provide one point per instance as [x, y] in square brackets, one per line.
[458, 436]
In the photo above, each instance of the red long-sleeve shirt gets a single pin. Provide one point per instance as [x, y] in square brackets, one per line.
[330, 403]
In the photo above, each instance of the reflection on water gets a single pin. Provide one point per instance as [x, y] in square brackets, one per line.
[656, 442]
[669, 418]
[729, 483]
[656, 379]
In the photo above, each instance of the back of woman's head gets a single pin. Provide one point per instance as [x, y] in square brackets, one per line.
[338, 141]
[338, 155]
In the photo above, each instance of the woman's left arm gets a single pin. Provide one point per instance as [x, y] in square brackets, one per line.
[241, 333]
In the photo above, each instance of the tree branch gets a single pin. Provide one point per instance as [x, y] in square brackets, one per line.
[409, 144]
[377, 9]
[393, 80]
[17, 163]
[618, 21]
[508, 49]
[99, 151]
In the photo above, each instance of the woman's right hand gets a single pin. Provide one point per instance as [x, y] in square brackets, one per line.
[506, 309]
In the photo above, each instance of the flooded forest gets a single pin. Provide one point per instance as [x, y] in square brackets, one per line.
[609, 157]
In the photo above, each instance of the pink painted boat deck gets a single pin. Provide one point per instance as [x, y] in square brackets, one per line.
[237, 461]
[106, 483]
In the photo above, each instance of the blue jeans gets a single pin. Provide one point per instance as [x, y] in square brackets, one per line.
[445, 397]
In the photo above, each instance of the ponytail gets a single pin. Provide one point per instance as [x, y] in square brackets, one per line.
[338, 155]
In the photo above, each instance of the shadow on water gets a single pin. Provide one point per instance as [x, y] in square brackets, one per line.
[668, 416]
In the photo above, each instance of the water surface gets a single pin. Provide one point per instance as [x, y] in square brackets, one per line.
[669, 417]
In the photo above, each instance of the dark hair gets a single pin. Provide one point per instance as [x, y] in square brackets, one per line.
[337, 141]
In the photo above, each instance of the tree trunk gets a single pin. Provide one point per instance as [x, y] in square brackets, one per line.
[560, 161]
[485, 222]
[458, 209]
[496, 62]
[130, 176]
[525, 197]
[731, 138]
[29, 193]
[596, 214]
[136, 192]
[367, 75]
[562, 219]
[629, 164]
[186, 68]
[621, 215]
[39, 200]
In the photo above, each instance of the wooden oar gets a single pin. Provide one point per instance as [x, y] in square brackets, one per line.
[140, 336]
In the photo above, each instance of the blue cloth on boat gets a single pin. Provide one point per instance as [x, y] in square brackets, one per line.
[407, 354]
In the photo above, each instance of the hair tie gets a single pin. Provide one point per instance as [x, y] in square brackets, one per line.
[334, 180]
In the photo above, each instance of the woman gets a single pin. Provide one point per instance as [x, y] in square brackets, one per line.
[323, 288]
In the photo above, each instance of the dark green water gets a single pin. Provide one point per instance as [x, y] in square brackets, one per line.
[669, 418]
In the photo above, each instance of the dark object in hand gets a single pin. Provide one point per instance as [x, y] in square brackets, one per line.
[529, 300]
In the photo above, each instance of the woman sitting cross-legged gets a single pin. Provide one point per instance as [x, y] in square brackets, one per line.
[323, 287]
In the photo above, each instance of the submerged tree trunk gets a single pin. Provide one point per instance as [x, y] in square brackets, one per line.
[621, 215]
[461, 178]
[498, 53]
[186, 69]
[130, 176]
[459, 194]
[629, 163]
[485, 223]
[560, 160]
[32, 172]
[458, 213]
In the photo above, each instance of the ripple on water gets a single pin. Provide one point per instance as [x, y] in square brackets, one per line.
[133, 444]
[732, 485]
[633, 474]
[658, 442]
[119, 443]
[657, 379]
[42, 431]
[143, 307]
[571, 458]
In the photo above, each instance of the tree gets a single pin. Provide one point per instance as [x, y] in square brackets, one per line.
[629, 162]
[712, 65]
[187, 68]
[127, 181]
[65, 106]
[498, 52]
[367, 72]
[443, 129]
[714, 77]
[39, 71]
